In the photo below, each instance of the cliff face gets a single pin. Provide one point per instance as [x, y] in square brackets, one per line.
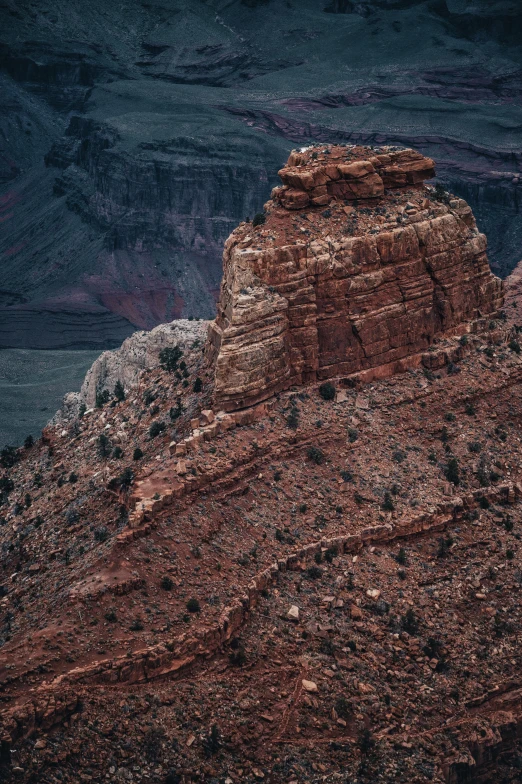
[376, 268]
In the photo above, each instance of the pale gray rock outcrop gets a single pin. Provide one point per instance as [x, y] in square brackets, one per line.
[137, 353]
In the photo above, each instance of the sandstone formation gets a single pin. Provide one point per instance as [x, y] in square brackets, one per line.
[357, 265]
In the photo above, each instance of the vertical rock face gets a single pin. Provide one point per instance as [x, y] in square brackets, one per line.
[358, 265]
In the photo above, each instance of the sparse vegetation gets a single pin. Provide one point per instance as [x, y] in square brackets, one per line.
[169, 358]
[315, 455]
[156, 428]
[259, 219]
[119, 391]
[327, 391]
[193, 606]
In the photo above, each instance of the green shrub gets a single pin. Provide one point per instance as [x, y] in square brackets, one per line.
[402, 557]
[169, 358]
[29, 441]
[409, 622]
[387, 504]
[167, 583]
[9, 456]
[315, 455]
[111, 616]
[126, 478]
[137, 454]
[156, 428]
[119, 391]
[514, 345]
[352, 435]
[82, 410]
[259, 219]
[101, 534]
[327, 391]
[198, 385]
[104, 446]
[453, 471]
[117, 452]
[102, 397]
[193, 606]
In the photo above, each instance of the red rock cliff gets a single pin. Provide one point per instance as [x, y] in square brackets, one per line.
[357, 266]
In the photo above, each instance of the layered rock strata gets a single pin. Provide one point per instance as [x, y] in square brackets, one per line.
[358, 265]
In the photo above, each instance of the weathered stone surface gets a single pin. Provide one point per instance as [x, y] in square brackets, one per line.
[322, 294]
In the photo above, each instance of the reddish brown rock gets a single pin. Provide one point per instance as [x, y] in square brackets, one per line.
[321, 294]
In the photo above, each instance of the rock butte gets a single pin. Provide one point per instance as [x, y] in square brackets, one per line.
[359, 266]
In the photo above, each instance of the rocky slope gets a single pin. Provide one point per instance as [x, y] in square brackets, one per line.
[138, 136]
[326, 583]
[365, 284]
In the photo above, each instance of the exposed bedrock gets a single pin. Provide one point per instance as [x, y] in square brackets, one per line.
[357, 266]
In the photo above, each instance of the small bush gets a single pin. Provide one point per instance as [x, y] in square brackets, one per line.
[315, 455]
[444, 546]
[449, 417]
[101, 534]
[117, 452]
[193, 606]
[176, 411]
[259, 219]
[119, 391]
[198, 385]
[212, 743]
[352, 435]
[409, 622]
[8, 457]
[156, 428]
[292, 419]
[343, 707]
[169, 358]
[365, 742]
[102, 397]
[167, 583]
[453, 471]
[470, 408]
[514, 345]
[346, 476]
[73, 477]
[136, 625]
[137, 454]
[327, 391]
[402, 558]
[475, 446]
[111, 616]
[104, 446]
[303, 508]
[126, 478]
[82, 410]
[387, 504]
[29, 441]
[313, 572]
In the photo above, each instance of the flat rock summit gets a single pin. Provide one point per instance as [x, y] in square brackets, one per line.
[355, 265]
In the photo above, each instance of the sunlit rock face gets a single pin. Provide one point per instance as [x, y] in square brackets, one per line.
[358, 265]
